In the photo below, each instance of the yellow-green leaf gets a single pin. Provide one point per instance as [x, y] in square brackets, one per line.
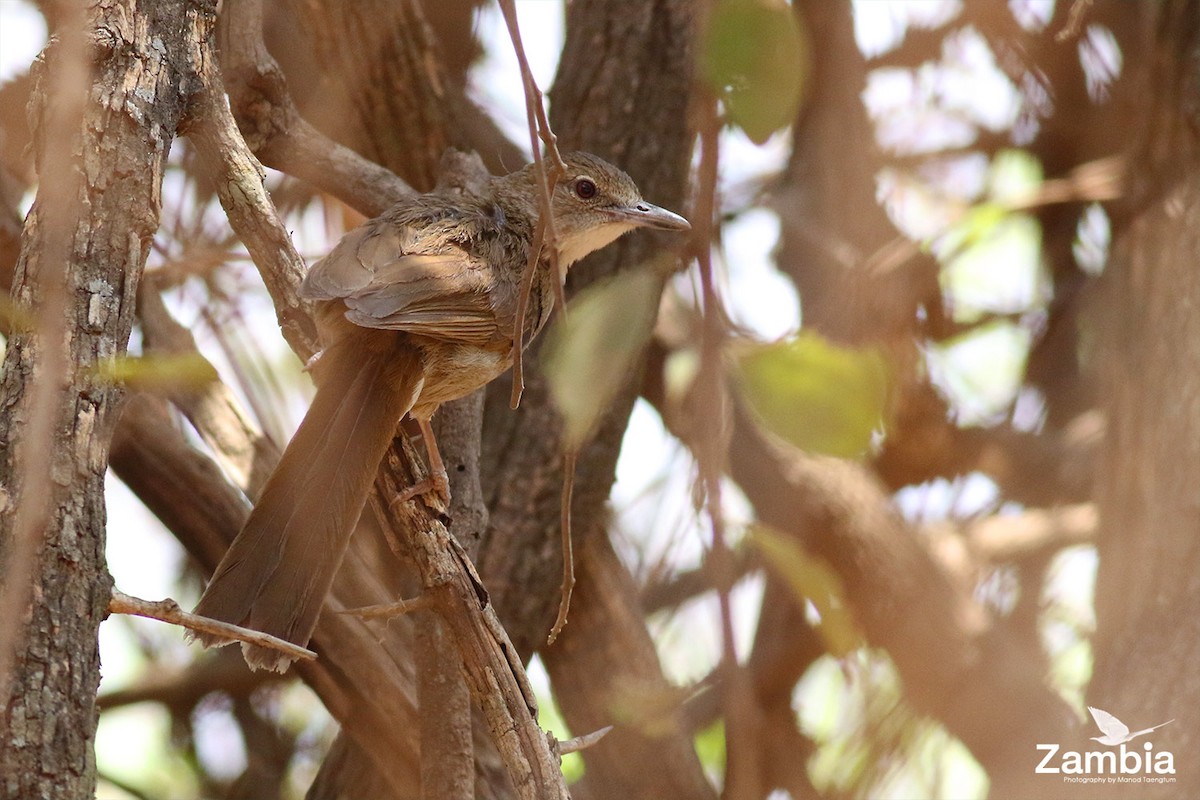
[710, 747]
[158, 372]
[813, 581]
[816, 395]
[588, 356]
[756, 57]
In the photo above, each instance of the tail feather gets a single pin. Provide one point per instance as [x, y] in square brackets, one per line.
[276, 574]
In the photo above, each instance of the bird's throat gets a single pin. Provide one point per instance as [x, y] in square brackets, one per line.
[577, 244]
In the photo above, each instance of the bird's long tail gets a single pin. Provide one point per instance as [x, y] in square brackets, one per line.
[276, 574]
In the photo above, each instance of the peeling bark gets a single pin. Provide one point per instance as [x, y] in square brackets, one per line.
[110, 97]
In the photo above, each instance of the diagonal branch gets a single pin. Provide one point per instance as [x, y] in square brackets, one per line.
[277, 133]
[491, 665]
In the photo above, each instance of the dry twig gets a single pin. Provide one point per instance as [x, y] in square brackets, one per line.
[389, 610]
[568, 554]
[583, 742]
[169, 611]
[737, 696]
[491, 665]
[1074, 25]
[539, 129]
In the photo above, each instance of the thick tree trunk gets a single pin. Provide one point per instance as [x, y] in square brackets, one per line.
[102, 141]
[1147, 588]
[1147, 640]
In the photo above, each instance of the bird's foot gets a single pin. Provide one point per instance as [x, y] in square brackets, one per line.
[438, 483]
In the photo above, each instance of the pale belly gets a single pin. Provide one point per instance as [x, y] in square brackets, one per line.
[453, 371]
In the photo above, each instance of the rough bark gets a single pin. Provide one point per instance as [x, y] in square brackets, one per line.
[110, 98]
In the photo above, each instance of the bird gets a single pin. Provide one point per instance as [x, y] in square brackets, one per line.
[1116, 732]
[414, 308]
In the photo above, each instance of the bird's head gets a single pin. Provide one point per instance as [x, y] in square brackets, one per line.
[595, 203]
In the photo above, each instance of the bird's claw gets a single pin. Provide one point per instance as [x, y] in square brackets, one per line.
[441, 486]
[438, 483]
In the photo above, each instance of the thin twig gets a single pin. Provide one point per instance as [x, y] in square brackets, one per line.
[568, 553]
[737, 695]
[1074, 21]
[491, 665]
[710, 384]
[583, 742]
[169, 611]
[539, 128]
[389, 610]
[539, 233]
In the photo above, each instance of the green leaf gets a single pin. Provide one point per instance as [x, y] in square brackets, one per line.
[185, 371]
[816, 395]
[1015, 176]
[710, 747]
[756, 57]
[998, 270]
[589, 354]
[813, 581]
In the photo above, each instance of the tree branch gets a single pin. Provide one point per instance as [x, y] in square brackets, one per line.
[491, 665]
[277, 133]
[169, 611]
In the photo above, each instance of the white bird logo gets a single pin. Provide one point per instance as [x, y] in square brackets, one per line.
[1115, 731]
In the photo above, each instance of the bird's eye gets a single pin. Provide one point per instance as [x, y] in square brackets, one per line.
[585, 188]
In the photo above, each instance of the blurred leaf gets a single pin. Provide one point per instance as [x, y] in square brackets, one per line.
[813, 581]
[710, 748]
[998, 271]
[976, 224]
[588, 355]
[816, 395]
[646, 705]
[158, 372]
[14, 317]
[756, 57]
[1015, 176]
[679, 373]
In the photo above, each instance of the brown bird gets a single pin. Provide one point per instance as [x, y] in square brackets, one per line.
[416, 307]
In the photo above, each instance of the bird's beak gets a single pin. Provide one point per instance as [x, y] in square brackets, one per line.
[648, 215]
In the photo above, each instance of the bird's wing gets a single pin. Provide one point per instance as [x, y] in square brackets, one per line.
[1108, 724]
[410, 274]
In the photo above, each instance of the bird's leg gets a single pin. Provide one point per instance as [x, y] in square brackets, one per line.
[438, 481]
[437, 470]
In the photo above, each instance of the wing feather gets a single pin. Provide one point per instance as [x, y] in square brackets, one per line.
[409, 271]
